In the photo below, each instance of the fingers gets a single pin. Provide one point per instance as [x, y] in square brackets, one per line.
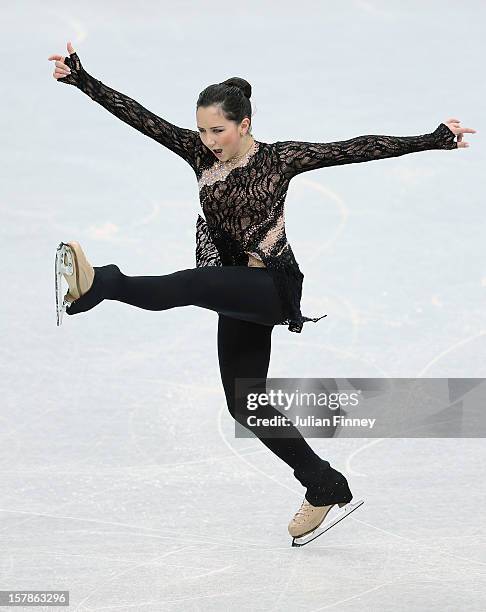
[460, 129]
[70, 49]
[61, 65]
[61, 69]
[453, 124]
[60, 75]
[461, 144]
[59, 62]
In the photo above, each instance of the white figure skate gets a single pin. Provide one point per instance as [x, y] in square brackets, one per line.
[334, 515]
[71, 263]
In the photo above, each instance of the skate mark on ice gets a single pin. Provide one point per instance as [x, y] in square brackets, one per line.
[154, 561]
[237, 454]
[295, 560]
[360, 594]
[162, 534]
[129, 569]
[449, 350]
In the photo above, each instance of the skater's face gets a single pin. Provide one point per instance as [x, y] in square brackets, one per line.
[216, 132]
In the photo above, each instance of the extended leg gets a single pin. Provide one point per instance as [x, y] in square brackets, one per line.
[238, 291]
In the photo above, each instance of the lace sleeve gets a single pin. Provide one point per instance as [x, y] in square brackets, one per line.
[181, 141]
[296, 157]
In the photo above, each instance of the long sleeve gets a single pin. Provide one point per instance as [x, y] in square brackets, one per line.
[182, 141]
[296, 157]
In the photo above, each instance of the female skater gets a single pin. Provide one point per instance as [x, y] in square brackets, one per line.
[245, 268]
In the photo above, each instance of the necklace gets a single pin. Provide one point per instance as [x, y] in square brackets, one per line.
[240, 156]
[220, 169]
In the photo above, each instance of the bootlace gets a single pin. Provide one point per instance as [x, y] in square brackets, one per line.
[304, 509]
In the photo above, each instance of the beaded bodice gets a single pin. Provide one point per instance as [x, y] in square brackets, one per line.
[243, 200]
[221, 169]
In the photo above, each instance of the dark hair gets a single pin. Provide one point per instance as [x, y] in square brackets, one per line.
[233, 95]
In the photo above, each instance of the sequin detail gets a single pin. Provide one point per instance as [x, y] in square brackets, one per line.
[273, 235]
[220, 170]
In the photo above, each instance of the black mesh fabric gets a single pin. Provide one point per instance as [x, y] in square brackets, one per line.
[243, 206]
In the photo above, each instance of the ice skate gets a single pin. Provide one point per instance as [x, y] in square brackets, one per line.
[71, 263]
[309, 522]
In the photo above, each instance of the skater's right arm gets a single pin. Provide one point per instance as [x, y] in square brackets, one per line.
[181, 141]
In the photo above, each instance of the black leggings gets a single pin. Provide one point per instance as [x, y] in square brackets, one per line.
[248, 306]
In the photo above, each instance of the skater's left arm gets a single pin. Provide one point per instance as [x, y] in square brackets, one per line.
[297, 157]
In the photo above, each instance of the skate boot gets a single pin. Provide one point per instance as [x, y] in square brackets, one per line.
[71, 263]
[309, 522]
[327, 501]
[88, 285]
[308, 518]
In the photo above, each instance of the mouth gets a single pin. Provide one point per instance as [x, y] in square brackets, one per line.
[217, 151]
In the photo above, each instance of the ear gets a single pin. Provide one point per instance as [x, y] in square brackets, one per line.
[245, 124]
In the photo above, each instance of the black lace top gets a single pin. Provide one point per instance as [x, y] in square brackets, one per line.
[243, 200]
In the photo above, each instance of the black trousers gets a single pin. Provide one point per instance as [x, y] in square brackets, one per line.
[248, 307]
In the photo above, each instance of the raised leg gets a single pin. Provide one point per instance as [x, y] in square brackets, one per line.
[237, 291]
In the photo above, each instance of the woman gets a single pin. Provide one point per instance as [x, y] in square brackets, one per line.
[245, 268]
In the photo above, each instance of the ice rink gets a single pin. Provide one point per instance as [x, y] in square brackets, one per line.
[121, 478]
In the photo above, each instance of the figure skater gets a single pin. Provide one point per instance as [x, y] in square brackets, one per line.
[245, 267]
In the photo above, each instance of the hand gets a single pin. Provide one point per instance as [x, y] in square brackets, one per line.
[61, 70]
[69, 69]
[453, 125]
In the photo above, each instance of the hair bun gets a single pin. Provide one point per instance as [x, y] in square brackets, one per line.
[243, 85]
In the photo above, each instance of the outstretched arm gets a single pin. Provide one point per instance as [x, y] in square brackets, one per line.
[181, 141]
[297, 157]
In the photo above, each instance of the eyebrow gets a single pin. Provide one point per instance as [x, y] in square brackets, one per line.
[214, 126]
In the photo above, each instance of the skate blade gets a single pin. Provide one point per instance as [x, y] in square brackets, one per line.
[63, 265]
[339, 515]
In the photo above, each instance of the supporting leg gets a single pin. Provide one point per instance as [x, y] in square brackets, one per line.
[244, 352]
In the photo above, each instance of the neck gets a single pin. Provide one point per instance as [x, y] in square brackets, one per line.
[244, 148]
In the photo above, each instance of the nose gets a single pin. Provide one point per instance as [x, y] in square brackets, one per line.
[209, 143]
